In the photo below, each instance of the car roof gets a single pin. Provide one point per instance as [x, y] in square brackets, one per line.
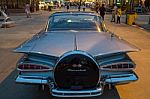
[75, 12]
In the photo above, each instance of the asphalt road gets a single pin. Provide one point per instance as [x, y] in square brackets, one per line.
[14, 36]
[141, 39]
[26, 28]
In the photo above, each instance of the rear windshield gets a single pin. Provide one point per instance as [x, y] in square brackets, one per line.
[73, 22]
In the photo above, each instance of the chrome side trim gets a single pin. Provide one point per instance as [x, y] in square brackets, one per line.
[79, 93]
[110, 58]
[40, 60]
[36, 70]
[119, 66]
[122, 78]
[31, 80]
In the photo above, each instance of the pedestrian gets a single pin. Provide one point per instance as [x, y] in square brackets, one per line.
[0, 10]
[147, 4]
[50, 6]
[102, 11]
[83, 7]
[5, 9]
[67, 7]
[27, 10]
[114, 11]
[119, 12]
[79, 6]
[96, 7]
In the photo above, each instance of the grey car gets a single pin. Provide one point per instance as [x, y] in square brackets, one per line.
[75, 56]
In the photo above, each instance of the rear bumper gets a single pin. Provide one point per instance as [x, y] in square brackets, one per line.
[111, 79]
[56, 92]
[78, 93]
[31, 80]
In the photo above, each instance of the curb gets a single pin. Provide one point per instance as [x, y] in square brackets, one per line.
[141, 27]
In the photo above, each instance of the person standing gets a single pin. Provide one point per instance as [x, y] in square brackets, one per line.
[114, 14]
[96, 7]
[79, 6]
[5, 9]
[119, 12]
[83, 7]
[0, 10]
[67, 7]
[50, 6]
[27, 10]
[102, 11]
[147, 4]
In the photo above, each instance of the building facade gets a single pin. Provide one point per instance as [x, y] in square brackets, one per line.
[19, 4]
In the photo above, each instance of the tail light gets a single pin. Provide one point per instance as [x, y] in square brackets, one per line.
[33, 67]
[119, 66]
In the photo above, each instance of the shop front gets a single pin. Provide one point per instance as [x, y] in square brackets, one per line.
[19, 4]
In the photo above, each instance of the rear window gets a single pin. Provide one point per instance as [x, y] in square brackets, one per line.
[73, 22]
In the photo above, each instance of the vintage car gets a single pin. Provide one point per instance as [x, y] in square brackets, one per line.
[5, 21]
[75, 56]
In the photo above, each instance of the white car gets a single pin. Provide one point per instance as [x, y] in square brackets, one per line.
[42, 5]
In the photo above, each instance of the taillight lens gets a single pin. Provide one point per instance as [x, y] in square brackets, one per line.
[33, 67]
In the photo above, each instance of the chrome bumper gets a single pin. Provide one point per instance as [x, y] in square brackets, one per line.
[31, 80]
[112, 79]
[120, 79]
[78, 93]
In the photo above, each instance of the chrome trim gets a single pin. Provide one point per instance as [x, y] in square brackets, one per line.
[118, 68]
[36, 70]
[77, 52]
[39, 60]
[113, 58]
[122, 78]
[31, 80]
[79, 93]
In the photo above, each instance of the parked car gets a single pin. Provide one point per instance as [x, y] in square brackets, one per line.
[75, 56]
[5, 21]
[43, 5]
